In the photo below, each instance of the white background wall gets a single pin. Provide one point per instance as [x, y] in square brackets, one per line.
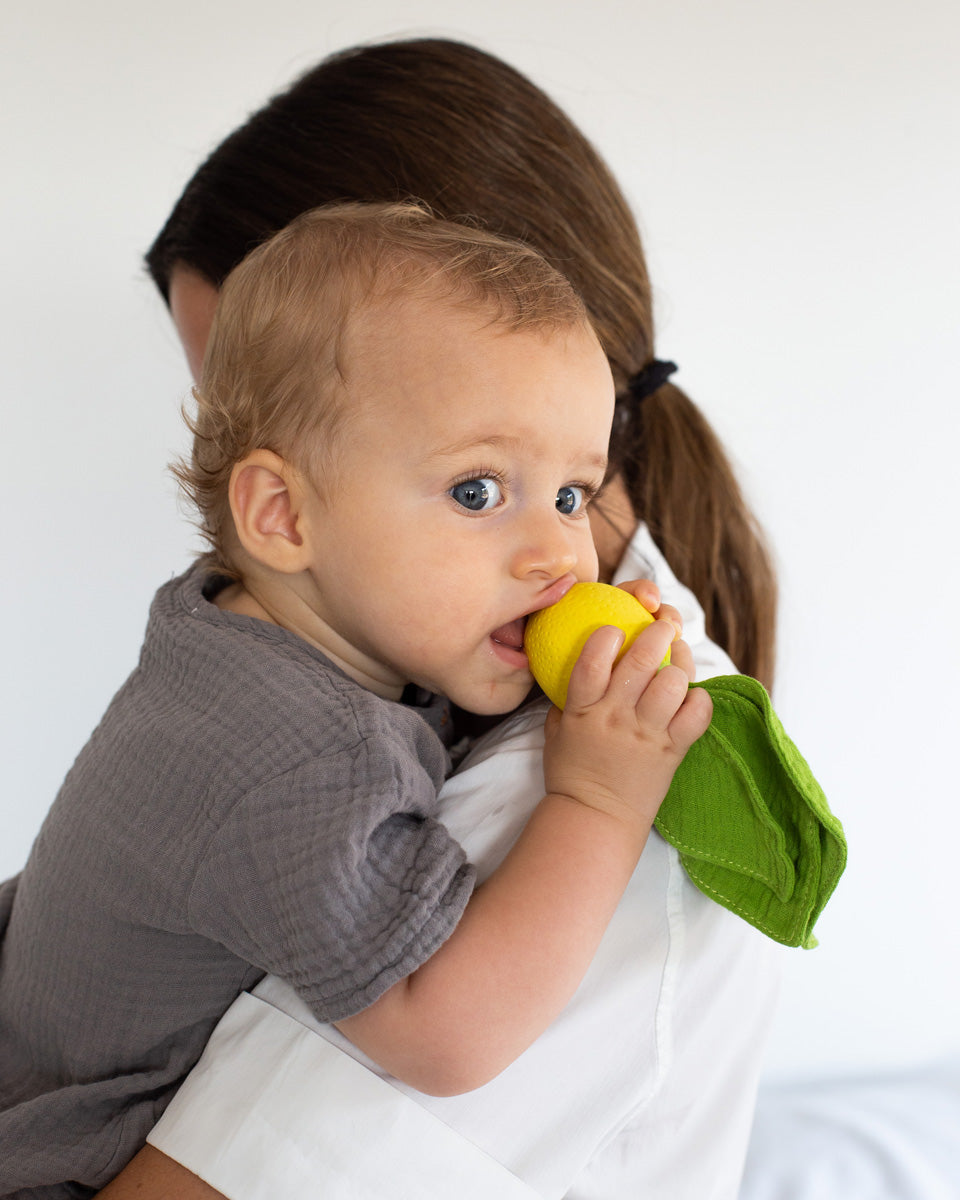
[795, 167]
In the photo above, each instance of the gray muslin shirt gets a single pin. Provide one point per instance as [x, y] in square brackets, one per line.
[243, 808]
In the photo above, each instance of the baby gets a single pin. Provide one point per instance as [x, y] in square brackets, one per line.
[400, 425]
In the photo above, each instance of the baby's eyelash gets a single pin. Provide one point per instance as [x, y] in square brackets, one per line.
[590, 490]
[479, 473]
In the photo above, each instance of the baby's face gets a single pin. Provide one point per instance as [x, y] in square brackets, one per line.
[458, 502]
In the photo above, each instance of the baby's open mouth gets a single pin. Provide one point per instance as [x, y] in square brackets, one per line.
[510, 634]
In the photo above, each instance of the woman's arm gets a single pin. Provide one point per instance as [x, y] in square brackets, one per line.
[153, 1176]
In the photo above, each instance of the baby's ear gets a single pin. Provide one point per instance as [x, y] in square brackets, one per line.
[266, 500]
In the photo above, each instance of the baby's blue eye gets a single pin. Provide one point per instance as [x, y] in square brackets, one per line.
[477, 495]
[570, 499]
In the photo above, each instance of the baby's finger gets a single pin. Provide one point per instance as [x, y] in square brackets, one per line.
[666, 612]
[644, 590]
[682, 656]
[640, 663]
[692, 719]
[662, 700]
[590, 676]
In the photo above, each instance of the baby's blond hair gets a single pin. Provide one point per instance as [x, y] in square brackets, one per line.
[276, 359]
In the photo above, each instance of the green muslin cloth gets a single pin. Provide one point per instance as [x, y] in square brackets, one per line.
[751, 824]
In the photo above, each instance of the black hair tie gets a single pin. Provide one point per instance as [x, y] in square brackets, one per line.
[652, 377]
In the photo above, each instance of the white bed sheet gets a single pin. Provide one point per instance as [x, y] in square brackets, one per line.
[893, 1136]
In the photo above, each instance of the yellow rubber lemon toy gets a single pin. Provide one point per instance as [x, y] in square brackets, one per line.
[555, 636]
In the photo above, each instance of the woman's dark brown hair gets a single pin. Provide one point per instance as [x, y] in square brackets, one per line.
[459, 129]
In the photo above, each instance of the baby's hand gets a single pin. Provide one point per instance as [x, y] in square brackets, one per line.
[647, 592]
[625, 728]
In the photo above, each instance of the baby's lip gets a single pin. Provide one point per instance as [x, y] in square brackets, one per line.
[511, 634]
[550, 595]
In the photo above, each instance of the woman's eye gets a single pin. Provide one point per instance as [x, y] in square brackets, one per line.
[570, 499]
[477, 495]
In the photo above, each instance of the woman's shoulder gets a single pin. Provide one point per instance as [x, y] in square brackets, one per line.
[643, 559]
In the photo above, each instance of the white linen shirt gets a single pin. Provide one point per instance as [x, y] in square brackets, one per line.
[643, 1087]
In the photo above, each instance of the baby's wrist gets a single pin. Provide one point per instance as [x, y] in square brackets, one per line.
[605, 813]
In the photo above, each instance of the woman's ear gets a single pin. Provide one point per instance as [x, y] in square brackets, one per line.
[266, 500]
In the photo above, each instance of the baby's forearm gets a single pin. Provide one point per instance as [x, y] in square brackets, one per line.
[516, 957]
[153, 1176]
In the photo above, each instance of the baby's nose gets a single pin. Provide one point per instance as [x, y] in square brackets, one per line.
[548, 549]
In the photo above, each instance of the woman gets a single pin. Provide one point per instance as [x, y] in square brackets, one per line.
[667, 1114]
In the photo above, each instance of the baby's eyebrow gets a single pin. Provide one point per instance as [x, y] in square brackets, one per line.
[499, 441]
[493, 441]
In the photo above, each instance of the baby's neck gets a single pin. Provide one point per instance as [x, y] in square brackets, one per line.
[236, 599]
[289, 612]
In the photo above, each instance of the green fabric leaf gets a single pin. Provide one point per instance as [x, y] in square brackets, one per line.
[751, 824]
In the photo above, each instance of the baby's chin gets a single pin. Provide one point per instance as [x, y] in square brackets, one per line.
[502, 699]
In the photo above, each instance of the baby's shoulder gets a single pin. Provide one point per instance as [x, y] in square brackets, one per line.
[267, 692]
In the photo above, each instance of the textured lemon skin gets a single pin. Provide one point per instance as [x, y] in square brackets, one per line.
[555, 636]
